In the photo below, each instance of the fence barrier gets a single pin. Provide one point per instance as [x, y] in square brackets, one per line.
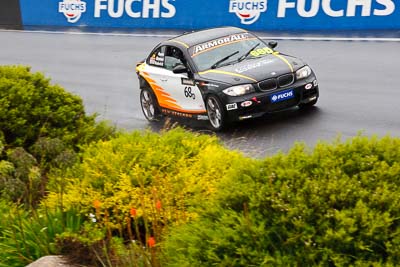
[257, 15]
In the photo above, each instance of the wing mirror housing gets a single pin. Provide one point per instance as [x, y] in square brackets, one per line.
[180, 68]
[273, 44]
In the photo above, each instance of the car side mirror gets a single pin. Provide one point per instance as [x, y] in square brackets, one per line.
[273, 44]
[180, 68]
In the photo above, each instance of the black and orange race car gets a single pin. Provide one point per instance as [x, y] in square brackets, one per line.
[222, 75]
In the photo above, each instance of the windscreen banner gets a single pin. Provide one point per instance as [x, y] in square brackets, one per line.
[258, 15]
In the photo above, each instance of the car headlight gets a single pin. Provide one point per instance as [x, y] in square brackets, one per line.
[239, 90]
[304, 72]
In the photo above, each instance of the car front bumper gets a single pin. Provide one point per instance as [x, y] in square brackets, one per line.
[262, 102]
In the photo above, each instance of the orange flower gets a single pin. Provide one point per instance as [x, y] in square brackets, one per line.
[133, 212]
[151, 241]
[96, 204]
[158, 205]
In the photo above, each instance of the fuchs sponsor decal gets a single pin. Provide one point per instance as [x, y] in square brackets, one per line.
[248, 11]
[282, 96]
[349, 8]
[220, 41]
[134, 8]
[72, 9]
[252, 66]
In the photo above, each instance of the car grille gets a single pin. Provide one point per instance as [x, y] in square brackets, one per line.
[285, 80]
[273, 83]
[267, 85]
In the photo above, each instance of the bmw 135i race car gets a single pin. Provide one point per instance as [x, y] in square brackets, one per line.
[222, 75]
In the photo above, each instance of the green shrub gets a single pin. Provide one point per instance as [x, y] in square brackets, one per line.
[336, 206]
[42, 128]
[23, 178]
[181, 199]
[30, 107]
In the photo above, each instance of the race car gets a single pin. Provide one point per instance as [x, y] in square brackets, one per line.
[222, 75]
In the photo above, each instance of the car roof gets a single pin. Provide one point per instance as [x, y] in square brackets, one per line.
[198, 37]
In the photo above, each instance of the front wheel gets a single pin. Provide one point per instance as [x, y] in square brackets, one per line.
[216, 113]
[149, 105]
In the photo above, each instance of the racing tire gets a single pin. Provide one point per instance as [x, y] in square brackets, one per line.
[149, 104]
[216, 113]
[308, 105]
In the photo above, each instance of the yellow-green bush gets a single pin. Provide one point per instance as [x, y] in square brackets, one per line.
[336, 206]
[181, 199]
[139, 183]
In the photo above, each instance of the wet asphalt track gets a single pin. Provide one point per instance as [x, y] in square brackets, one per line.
[359, 86]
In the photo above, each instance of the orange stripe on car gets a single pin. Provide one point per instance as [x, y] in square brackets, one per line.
[164, 99]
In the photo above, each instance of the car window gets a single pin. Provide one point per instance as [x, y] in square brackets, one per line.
[173, 57]
[157, 57]
[167, 57]
[207, 54]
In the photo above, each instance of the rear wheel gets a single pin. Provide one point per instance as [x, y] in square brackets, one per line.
[149, 105]
[216, 113]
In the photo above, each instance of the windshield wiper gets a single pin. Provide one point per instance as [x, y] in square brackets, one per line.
[223, 59]
[248, 53]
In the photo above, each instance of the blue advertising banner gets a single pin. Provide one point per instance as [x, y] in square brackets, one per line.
[260, 15]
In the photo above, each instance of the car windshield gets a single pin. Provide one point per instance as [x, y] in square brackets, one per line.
[227, 50]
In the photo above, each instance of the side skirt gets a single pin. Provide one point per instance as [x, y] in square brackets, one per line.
[197, 116]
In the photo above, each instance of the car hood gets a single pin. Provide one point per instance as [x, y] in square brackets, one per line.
[253, 70]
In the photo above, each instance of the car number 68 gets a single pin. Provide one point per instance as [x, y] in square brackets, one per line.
[188, 92]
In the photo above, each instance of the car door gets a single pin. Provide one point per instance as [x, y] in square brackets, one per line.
[174, 91]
